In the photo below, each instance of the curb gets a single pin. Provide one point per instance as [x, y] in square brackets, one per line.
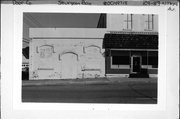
[85, 81]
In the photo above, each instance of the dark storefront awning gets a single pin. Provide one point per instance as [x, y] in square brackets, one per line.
[130, 41]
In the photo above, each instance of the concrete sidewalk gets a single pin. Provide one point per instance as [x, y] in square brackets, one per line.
[88, 81]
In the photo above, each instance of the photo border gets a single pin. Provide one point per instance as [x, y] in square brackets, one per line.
[167, 92]
[81, 9]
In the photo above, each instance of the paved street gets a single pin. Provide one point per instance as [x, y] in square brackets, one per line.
[141, 91]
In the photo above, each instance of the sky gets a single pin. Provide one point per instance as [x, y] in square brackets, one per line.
[58, 20]
[62, 20]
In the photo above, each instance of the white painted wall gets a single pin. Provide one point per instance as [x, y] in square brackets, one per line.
[115, 22]
[70, 58]
[67, 32]
[60, 53]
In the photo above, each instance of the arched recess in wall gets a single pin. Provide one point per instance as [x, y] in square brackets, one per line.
[51, 46]
[45, 51]
[91, 46]
[66, 52]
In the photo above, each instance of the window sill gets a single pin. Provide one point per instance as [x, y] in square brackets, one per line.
[148, 29]
[127, 29]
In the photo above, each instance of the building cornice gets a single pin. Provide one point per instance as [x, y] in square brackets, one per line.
[133, 32]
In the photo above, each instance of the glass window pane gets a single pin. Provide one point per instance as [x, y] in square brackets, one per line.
[120, 60]
[153, 59]
[129, 25]
[150, 26]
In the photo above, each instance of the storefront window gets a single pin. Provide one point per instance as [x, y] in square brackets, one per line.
[120, 59]
[153, 59]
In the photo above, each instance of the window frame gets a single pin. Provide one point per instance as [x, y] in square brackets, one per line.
[149, 22]
[118, 66]
[128, 19]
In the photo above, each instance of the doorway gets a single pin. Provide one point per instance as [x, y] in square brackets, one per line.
[136, 61]
[69, 66]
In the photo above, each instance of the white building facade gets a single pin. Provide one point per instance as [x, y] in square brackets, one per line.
[66, 53]
[77, 53]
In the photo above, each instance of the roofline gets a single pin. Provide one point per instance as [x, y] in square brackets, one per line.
[134, 32]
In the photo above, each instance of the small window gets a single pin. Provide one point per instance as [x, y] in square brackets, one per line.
[149, 19]
[128, 22]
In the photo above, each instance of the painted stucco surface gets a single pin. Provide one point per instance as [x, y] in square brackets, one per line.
[64, 53]
[66, 58]
[116, 22]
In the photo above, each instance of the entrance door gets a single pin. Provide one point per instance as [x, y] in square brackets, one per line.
[135, 64]
[69, 66]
